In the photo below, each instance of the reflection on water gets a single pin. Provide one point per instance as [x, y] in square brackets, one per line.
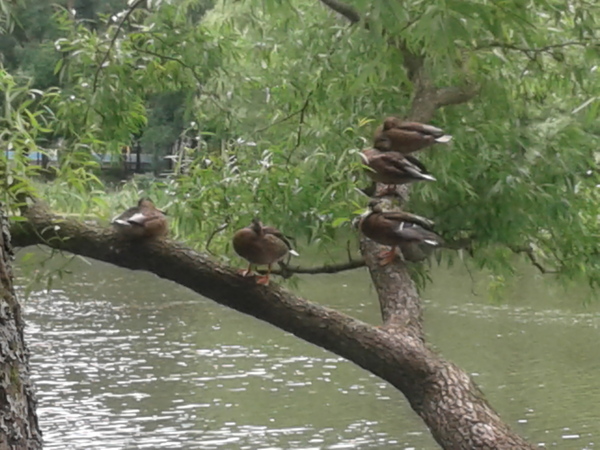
[124, 360]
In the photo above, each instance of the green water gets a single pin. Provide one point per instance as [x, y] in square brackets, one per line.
[125, 360]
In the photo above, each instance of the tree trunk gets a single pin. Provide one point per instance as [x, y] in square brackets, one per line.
[18, 422]
[442, 394]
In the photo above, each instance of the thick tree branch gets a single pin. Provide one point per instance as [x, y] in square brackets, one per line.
[442, 394]
[400, 303]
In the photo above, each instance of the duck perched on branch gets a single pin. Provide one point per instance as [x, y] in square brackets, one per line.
[407, 137]
[143, 221]
[396, 228]
[261, 245]
[393, 168]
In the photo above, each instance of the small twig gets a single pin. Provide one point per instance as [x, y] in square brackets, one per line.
[277, 122]
[468, 269]
[348, 251]
[411, 23]
[179, 61]
[113, 41]
[530, 51]
[213, 234]
[528, 251]
[327, 268]
[300, 123]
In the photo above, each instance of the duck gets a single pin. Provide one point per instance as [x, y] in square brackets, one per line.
[396, 229]
[393, 168]
[144, 221]
[406, 137]
[261, 245]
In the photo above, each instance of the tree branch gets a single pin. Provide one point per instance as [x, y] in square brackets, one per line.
[398, 297]
[528, 251]
[443, 395]
[326, 268]
[113, 41]
[531, 51]
[344, 9]
[300, 123]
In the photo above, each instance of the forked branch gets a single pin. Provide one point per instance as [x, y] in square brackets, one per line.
[440, 393]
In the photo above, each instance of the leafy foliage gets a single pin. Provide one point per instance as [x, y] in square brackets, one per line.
[281, 95]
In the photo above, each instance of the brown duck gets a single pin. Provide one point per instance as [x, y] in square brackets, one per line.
[393, 168]
[143, 221]
[261, 245]
[406, 137]
[396, 228]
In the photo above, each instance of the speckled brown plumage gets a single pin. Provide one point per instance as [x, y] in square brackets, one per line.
[143, 221]
[261, 245]
[407, 137]
[397, 228]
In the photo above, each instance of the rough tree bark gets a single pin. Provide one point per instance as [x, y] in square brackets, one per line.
[451, 404]
[18, 423]
[441, 393]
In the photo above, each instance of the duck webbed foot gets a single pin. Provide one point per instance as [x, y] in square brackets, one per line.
[246, 272]
[390, 189]
[387, 256]
[264, 280]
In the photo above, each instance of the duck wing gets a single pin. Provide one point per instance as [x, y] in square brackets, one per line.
[423, 129]
[278, 234]
[397, 165]
[406, 217]
[123, 218]
[412, 232]
[140, 219]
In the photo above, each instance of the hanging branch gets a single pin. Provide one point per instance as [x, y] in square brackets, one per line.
[113, 41]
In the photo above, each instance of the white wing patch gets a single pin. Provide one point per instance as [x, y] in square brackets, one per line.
[443, 139]
[138, 218]
[400, 226]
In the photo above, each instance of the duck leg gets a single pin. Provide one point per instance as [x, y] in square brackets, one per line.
[246, 272]
[387, 256]
[390, 189]
[265, 278]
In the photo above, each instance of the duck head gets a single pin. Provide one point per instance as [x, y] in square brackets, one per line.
[256, 225]
[145, 202]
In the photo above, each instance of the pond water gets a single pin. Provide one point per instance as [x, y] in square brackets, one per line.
[125, 360]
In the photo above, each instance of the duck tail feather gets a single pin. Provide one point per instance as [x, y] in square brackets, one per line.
[428, 177]
[443, 139]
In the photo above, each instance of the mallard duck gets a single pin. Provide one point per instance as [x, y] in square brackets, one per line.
[261, 245]
[407, 137]
[142, 221]
[395, 228]
[393, 168]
